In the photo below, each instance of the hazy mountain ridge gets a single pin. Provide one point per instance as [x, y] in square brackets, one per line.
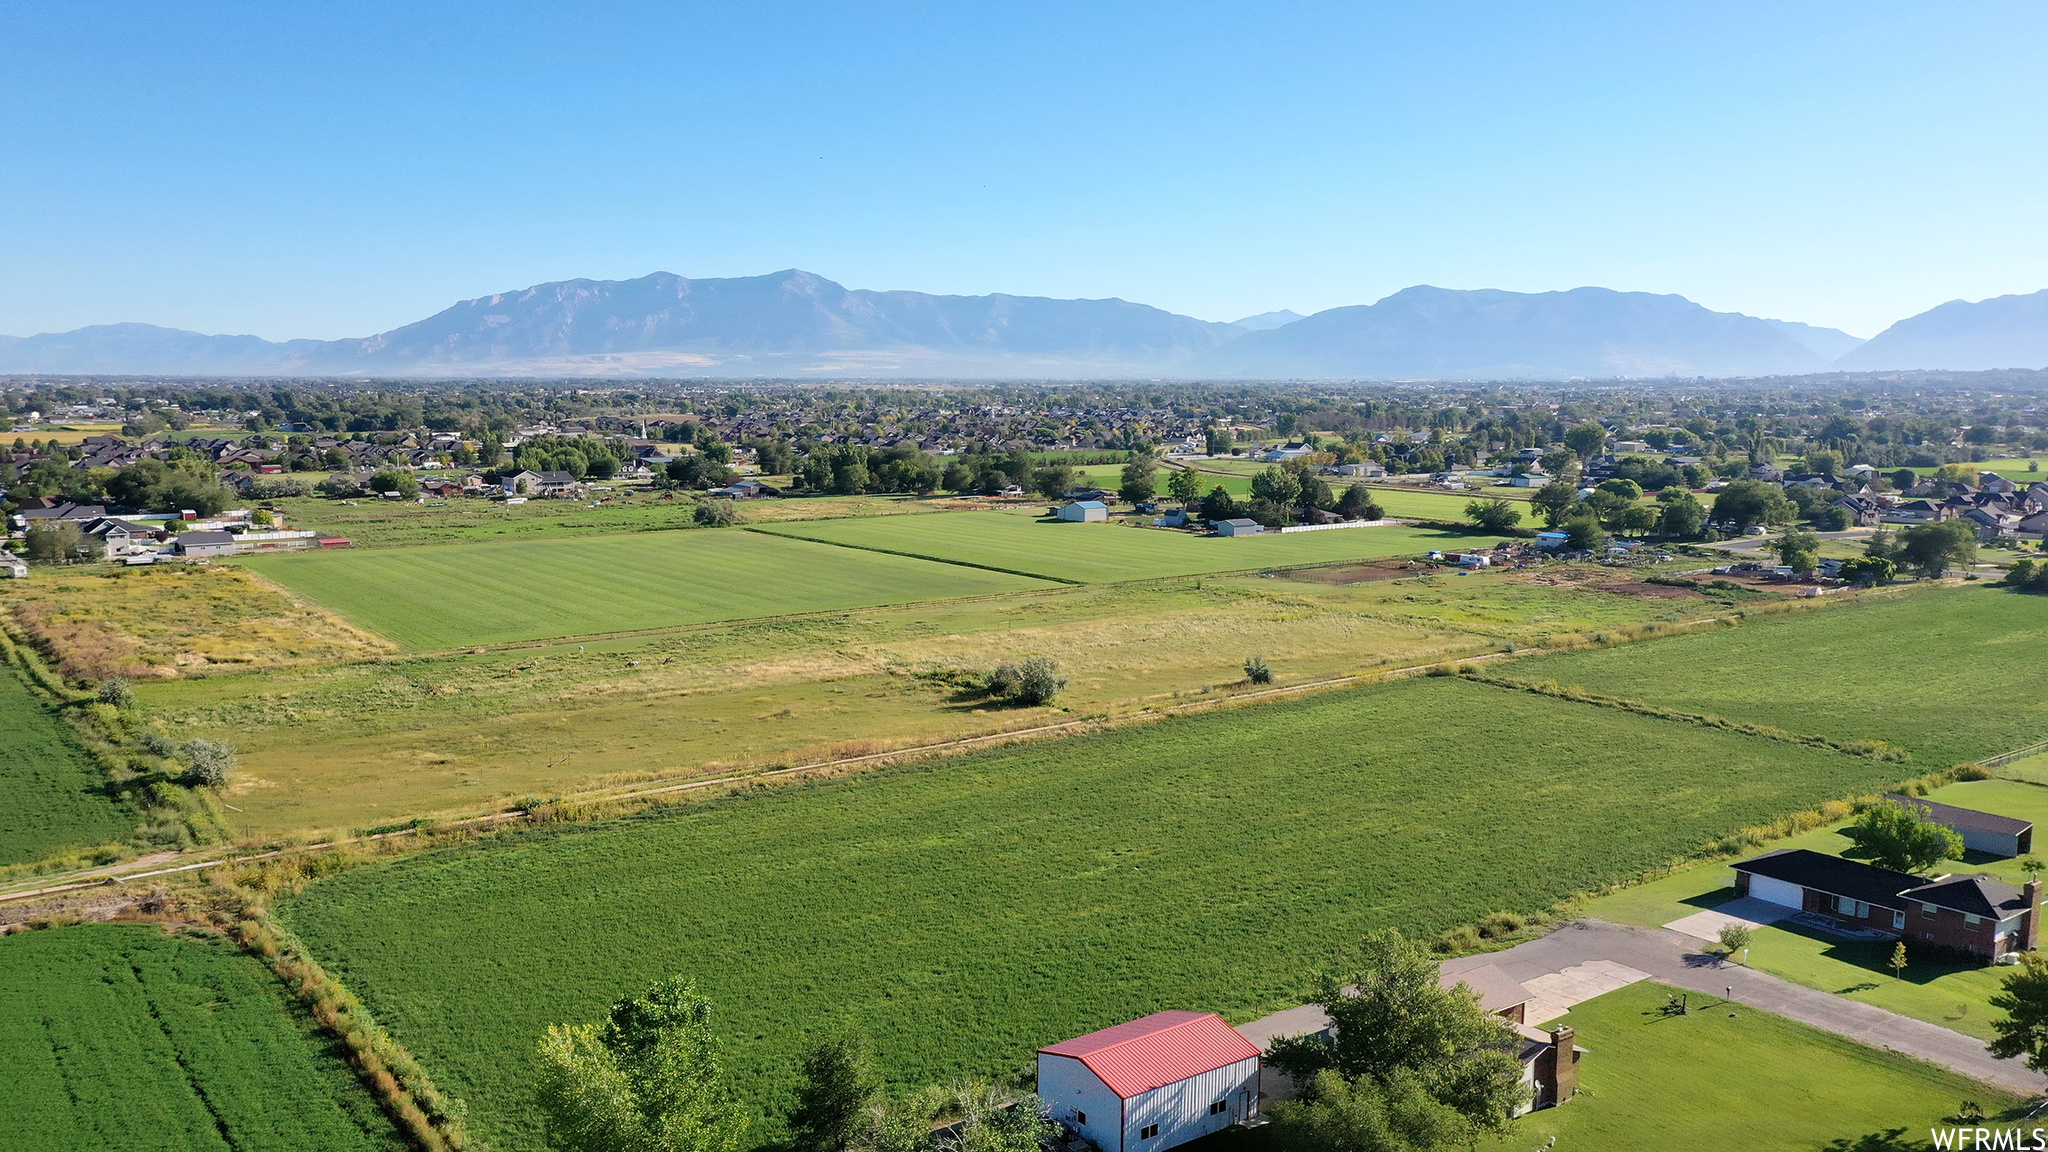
[796, 324]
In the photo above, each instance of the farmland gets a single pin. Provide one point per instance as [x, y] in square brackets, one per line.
[1103, 553]
[463, 594]
[50, 797]
[1949, 675]
[363, 744]
[968, 910]
[122, 1037]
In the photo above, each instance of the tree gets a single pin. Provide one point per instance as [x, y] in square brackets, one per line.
[1219, 505]
[1493, 515]
[1932, 549]
[1396, 1114]
[54, 541]
[392, 480]
[1276, 486]
[1626, 489]
[1587, 440]
[1830, 518]
[1583, 533]
[838, 1087]
[1357, 504]
[1399, 1036]
[1255, 670]
[1184, 486]
[1679, 513]
[1868, 570]
[209, 762]
[717, 513]
[1138, 485]
[1734, 938]
[1554, 501]
[1039, 680]
[1054, 480]
[1899, 961]
[2024, 1000]
[1798, 550]
[1901, 838]
[647, 1081]
[1822, 462]
[1748, 502]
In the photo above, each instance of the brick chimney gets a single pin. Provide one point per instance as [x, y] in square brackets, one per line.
[1564, 1064]
[2030, 936]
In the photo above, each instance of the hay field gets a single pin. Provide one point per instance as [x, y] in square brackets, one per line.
[1950, 675]
[965, 911]
[1106, 553]
[119, 1037]
[465, 594]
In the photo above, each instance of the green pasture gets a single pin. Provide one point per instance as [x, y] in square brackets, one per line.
[51, 794]
[1951, 676]
[965, 911]
[1105, 553]
[463, 594]
[120, 1037]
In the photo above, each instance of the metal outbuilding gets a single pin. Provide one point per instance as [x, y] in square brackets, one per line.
[1152, 1083]
[1083, 511]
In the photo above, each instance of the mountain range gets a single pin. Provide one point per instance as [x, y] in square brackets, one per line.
[796, 324]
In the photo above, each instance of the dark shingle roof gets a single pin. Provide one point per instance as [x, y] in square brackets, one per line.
[1834, 875]
[1964, 819]
[1976, 895]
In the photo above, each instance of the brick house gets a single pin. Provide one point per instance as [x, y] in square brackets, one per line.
[1976, 915]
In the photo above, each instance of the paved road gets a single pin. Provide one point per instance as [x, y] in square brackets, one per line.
[1673, 958]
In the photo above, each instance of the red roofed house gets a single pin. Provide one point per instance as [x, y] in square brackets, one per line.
[1153, 1083]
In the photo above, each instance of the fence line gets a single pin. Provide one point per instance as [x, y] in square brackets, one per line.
[1343, 524]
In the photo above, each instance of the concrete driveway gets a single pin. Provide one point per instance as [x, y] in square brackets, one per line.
[1747, 911]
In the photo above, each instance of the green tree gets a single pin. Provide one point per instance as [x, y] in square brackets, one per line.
[1493, 515]
[1276, 486]
[1679, 513]
[1554, 502]
[1822, 462]
[647, 1081]
[1138, 484]
[832, 1101]
[1626, 489]
[209, 763]
[1798, 550]
[1357, 504]
[1055, 480]
[1584, 533]
[1749, 502]
[1404, 1045]
[1184, 486]
[1394, 1114]
[2023, 1032]
[1219, 505]
[1039, 680]
[1901, 838]
[53, 541]
[717, 513]
[1868, 570]
[1932, 549]
[393, 480]
[1587, 440]
[1734, 938]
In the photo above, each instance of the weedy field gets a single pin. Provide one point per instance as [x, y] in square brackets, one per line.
[177, 619]
[965, 911]
[1102, 553]
[1950, 676]
[365, 744]
[464, 594]
[50, 793]
[117, 1036]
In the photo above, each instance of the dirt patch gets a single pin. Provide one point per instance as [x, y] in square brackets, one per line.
[1646, 590]
[1359, 573]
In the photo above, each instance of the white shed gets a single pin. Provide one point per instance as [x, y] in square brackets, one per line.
[1239, 527]
[1082, 511]
[1153, 1083]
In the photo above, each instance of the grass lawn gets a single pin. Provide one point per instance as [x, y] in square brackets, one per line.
[1934, 672]
[1103, 553]
[463, 594]
[119, 1037]
[50, 798]
[1936, 988]
[966, 911]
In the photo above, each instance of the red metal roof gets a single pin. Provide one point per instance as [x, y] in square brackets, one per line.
[1157, 1050]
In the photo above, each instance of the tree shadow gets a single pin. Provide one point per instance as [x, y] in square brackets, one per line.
[1889, 1140]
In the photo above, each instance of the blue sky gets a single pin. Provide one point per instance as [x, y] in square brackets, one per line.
[335, 170]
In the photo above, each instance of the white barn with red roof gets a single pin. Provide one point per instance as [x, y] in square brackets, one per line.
[1153, 1083]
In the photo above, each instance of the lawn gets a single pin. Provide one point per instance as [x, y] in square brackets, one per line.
[369, 743]
[119, 1037]
[50, 792]
[1939, 989]
[964, 912]
[463, 594]
[1951, 676]
[1104, 553]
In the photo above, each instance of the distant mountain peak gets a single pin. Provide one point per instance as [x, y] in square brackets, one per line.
[1267, 321]
[2002, 332]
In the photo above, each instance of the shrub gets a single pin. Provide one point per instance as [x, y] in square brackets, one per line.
[1734, 938]
[115, 691]
[1255, 670]
[1005, 680]
[156, 744]
[211, 762]
[1039, 680]
[717, 513]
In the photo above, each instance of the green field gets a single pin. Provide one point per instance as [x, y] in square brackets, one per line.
[51, 796]
[462, 594]
[1951, 676]
[965, 911]
[1106, 553]
[119, 1037]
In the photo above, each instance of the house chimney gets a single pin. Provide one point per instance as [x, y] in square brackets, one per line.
[2030, 934]
[1565, 1064]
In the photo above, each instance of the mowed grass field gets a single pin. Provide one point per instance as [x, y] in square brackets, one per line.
[1106, 553]
[463, 594]
[1951, 676]
[119, 1037]
[965, 912]
[50, 797]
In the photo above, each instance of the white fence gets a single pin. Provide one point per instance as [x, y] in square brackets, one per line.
[1340, 524]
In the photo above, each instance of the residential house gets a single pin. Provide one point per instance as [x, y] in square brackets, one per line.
[1285, 452]
[1985, 832]
[60, 511]
[122, 537]
[1152, 1083]
[194, 545]
[1977, 915]
[528, 483]
[1864, 511]
[1366, 469]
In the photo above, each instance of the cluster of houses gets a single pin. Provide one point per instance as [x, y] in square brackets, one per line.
[146, 538]
[1997, 506]
[1975, 915]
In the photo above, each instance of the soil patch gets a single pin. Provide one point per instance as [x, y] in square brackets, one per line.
[1360, 573]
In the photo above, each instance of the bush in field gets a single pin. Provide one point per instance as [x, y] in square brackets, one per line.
[717, 513]
[1039, 680]
[116, 692]
[1255, 670]
[1005, 680]
[647, 1081]
[157, 744]
[209, 763]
